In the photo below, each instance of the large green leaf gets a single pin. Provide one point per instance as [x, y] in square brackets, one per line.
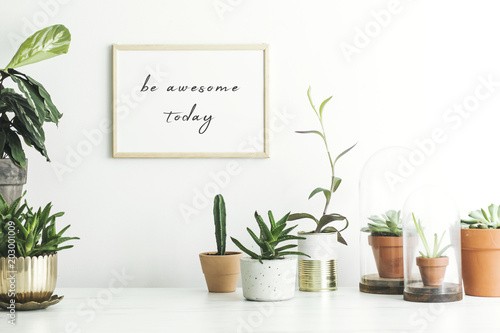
[14, 149]
[32, 95]
[43, 44]
[327, 193]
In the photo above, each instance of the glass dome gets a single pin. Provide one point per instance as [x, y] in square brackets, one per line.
[432, 256]
[385, 182]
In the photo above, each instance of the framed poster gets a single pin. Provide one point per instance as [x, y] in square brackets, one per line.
[190, 101]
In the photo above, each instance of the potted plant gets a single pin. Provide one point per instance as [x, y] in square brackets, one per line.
[22, 115]
[318, 272]
[480, 239]
[269, 276]
[221, 268]
[432, 264]
[29, 244]
[386, 231]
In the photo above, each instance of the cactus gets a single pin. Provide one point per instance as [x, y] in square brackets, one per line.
[220, 224]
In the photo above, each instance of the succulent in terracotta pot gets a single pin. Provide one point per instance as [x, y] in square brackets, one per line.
[386, 231]
[432, 264]
[480, 242]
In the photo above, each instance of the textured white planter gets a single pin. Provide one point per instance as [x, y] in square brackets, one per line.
[319, 272]
[274, 280]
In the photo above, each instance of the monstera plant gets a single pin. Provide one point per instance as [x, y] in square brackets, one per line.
[23, 112]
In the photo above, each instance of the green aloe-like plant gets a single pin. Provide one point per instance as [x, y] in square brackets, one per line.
[388, 224]
[437, 251]
[33, 231]
[220, 224]
[23, 115]
[270, 237]
[482, 220]
[326, 218]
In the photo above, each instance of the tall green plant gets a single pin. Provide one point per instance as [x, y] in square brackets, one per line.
[326, 218]
[23, 115]
[220, 224]
[33, 231]
[436, 250]
[270, 237]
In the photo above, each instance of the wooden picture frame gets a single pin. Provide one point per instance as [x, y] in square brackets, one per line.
[190, 101]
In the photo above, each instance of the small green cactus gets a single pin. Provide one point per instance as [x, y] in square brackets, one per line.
[220, 224]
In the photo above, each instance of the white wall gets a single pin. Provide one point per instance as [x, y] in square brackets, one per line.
[395, 90]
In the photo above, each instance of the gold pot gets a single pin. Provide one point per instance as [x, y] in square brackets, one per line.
[32, 278]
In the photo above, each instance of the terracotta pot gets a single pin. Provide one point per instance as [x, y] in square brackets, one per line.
[388, 253]
[481, 261]
[432, 270]
[221, 272]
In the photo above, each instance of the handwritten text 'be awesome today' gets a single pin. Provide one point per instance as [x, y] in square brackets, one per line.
[173, 116]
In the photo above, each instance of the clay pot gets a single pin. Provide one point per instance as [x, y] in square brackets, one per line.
[388, 253]
[221, 272]
[481, 262]
[432, 270]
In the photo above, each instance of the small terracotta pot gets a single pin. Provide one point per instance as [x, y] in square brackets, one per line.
[221, 272]
[432, 270]
[388, 253]
[481, 262]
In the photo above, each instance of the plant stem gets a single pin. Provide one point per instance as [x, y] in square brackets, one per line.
[331, 164]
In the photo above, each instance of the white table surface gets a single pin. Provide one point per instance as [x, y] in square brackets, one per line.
[196, 310]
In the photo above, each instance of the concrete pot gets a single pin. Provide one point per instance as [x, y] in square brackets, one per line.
[12, 179]
[273, 280]
[481, 262]
[221, 272]
[34, 278]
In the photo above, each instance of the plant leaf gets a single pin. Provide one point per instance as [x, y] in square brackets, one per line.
[311, 132]
[344, 152]
[322, 106]
[299, 216]
[43, 44]
[336, 183]
[244, 249]
[320, 189]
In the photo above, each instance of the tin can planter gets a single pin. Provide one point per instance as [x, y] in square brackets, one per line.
[221, 272]
[34, 278]
[432, 270]
[319, 272]
[481, 262]
[269, 281]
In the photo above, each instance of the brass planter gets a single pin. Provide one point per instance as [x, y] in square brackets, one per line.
[34, 278]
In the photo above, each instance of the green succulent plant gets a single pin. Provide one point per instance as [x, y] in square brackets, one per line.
[437, 251]
[482, 220]
[33, 231]
[388, 224]
[23, 115]
[269, 239]
[220, 224]
[326, 218]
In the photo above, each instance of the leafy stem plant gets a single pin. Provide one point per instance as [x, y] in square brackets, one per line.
[482, 220]
[388, 224]
[326, 218]
[23, 115]
[436, 251]
[269, 238]
[33, 231]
